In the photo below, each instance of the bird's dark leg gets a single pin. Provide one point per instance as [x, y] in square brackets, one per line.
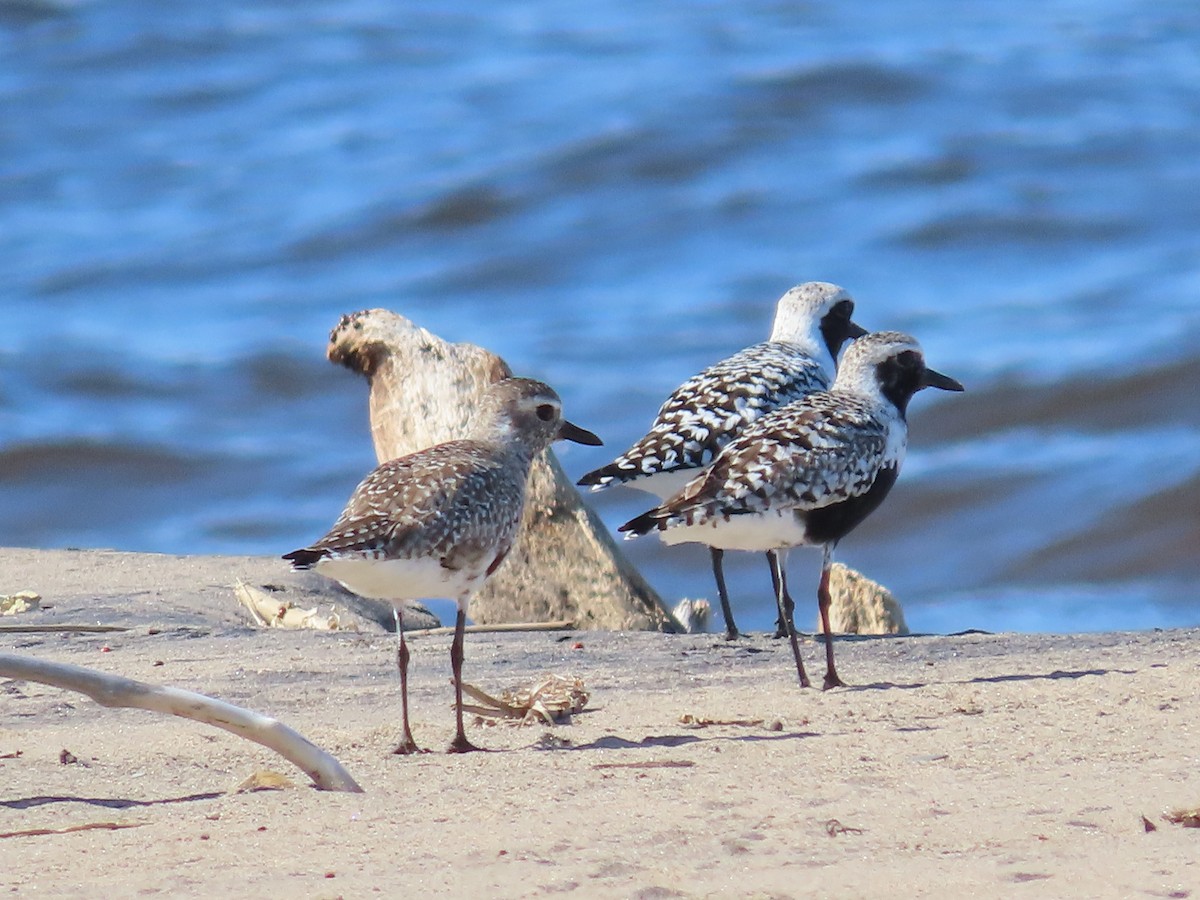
[776, 559]
[460, 744]
[781, 627]
[407, 744]
[823, 600]
[731, 630]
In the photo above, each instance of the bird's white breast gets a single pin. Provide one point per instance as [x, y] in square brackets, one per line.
[419, 578]
[771, 530]
[663, 485]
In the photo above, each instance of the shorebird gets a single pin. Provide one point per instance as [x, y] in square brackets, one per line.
[808, 473]
[812, 321]
[439, 522]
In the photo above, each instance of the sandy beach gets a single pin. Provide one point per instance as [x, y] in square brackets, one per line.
[974, 765]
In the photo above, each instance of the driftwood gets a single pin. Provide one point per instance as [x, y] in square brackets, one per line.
[498, 628]
[565, 565]
[114, 691]
[268, 611]
[60, 628]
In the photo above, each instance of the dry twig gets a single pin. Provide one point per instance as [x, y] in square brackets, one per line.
[499, 627]
[88, 826]
[60, 627]
[550, 699]
[694, 721]
[113, 691]
[833, 828]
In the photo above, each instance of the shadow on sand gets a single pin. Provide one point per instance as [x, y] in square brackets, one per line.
[106, 802]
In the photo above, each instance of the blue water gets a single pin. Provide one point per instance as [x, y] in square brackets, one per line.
[612, 196]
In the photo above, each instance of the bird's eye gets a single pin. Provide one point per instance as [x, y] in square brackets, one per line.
[545, 412]
[844, 309]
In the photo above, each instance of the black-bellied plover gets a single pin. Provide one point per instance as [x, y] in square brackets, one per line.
[808, 473]
[707, 411]
[438, 522]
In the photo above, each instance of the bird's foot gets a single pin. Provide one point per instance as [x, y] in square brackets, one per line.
[832, 681]
[408, 747]
[732, 634]
[460, 744]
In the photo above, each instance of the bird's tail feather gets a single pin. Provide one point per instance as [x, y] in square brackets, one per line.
[603, 477]
[305, 558]
[644, 524]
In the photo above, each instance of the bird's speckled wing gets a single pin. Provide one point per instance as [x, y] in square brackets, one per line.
[709, 409]
[808, 455]
[453, 499]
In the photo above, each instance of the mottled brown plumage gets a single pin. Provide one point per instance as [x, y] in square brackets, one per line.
[438, 522]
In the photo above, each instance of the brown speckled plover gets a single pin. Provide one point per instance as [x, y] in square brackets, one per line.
[808, 473]
[707, 411]
[438, 522]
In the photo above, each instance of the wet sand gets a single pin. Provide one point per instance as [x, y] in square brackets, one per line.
[978, 765]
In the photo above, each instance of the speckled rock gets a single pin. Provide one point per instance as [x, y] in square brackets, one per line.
[859, 605]
[565, 565]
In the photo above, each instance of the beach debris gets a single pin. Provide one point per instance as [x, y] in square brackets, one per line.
[270, 612]
[833, 828]
[969, 708]
[1148, 826]
[497, 628]
[549, 700]
[692, 721]
[265, 780]
[20, 602]
[61, 628]
[1188, 818]
[114, 691]
[87, 826]
[15, 754]
[648, 764]
[693, 615]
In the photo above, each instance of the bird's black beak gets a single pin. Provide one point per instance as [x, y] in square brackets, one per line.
[933, 378]
[854, 330]
[569, 432]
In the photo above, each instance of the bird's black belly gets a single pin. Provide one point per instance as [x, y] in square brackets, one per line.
[830, 524]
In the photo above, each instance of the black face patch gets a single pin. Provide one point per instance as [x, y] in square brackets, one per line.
[900, 377]
[836, 327]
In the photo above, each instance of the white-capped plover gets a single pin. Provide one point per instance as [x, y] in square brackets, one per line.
[707, 411]
[808, 473]
[438, 522]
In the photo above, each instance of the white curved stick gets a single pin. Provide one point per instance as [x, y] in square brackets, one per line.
[112, 690]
